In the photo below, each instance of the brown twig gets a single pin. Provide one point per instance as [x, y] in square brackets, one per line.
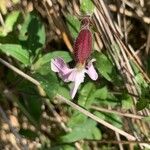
[133, 116]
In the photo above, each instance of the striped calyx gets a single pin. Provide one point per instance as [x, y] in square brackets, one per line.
[83, 43]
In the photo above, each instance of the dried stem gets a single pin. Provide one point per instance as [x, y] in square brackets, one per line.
[133, 116]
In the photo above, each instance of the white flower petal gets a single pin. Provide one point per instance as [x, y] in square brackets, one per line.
[91, 70]
[77, 76]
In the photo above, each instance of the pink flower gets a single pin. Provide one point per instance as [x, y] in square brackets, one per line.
[75, 75]
[82, 51]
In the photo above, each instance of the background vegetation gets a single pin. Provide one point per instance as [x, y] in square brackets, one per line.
[35, 106]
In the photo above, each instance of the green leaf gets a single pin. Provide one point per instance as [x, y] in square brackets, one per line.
[24, 28]
[49, 83]
[32, 33]
[9, 23]
[142, 103]
[16, 51]
[97, 133]
[100, 115]
[25, 112]
[101, 93]
[111, 118]
[68, 147]
[34, 107]
[85, 130]
[73, 25]
[87, 7]
[32, 100]
[86, 95]
[140, 80]
[64, 91]
[134, 67]
[11, 20]
[76, 118]
[104, 66]
[127, 102]
[47, 58]
[110, 100]
[114, 120]
[28, 133]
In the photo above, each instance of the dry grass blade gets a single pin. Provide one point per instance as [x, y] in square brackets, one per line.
[133, 116]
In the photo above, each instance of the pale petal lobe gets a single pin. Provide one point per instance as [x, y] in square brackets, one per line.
[91, 70]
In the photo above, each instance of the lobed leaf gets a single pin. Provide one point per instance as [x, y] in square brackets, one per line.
[32, 33]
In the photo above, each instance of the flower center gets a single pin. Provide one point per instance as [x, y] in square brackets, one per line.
[80, 66]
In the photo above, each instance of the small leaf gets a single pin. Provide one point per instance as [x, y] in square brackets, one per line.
[9, 23]
[101, 93]
[73, 25]
[104, 66]
[28, 133]
[127, 102]
[11, 20]
[87, 7]
[16, 51]
[140, 80]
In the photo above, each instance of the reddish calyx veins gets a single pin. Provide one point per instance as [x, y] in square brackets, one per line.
[83, 43]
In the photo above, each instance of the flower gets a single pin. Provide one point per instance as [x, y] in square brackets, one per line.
[82, 52]
[75, 75]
